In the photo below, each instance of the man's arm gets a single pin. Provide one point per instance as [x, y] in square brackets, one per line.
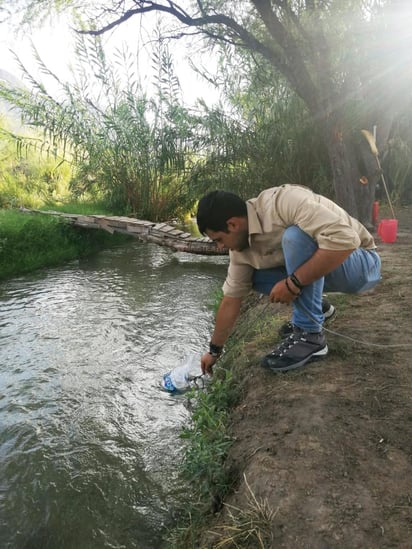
[320, 264]
[226, 317]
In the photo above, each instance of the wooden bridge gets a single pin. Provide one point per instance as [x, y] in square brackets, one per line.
[159, 233]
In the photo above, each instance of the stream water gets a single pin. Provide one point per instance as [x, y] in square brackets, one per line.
[89, 443]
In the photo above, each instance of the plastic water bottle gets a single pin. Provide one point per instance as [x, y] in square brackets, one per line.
[184, 376]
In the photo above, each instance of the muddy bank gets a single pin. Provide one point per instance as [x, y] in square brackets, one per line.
[323, 457]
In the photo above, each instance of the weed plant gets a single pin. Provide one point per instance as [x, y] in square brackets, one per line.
[29, 177]
[205, 469]
[204, 472]
[208, 440]
[32, 242]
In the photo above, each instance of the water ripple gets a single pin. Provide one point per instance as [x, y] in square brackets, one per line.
[88, 441]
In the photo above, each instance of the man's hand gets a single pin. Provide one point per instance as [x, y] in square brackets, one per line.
[207, 362]
[320, 264]
[281, 294]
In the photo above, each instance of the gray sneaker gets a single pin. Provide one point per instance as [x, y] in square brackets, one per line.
[328, 310]
[296, 351]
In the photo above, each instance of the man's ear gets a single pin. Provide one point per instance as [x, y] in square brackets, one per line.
[234, 223]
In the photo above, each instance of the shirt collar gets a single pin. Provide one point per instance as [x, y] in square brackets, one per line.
[254, 225]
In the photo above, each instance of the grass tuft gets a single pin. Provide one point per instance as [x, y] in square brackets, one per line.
[248, 527]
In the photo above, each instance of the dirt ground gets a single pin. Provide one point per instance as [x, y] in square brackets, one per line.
[328, 449]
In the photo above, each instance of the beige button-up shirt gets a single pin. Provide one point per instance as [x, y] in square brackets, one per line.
[271, 213]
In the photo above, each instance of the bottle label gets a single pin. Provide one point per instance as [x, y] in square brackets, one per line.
[168, 384]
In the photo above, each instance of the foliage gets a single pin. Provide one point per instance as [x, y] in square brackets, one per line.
[263, 137]
[205, 469]
[301, 80]
[28, 178]
[131, 150]
[151, 157]
[81, 207]
[207, 443]
[31, 242]
[208, 439]
[347, 61]
[26, 13]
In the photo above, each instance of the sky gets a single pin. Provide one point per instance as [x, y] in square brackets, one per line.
[55, 46]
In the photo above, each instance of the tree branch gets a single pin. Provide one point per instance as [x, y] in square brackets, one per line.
[238, 35]
[293, 66]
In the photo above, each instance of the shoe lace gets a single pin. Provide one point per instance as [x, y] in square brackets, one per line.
[288, 343]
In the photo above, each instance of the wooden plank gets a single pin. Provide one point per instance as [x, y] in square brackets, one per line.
[86, 219]
[115, 222]
[86, 225]
[104, 224]
[125, 218]
[167, 229]
[68, 216]
[140, 222]
[185, 235]
[137, 229]
[160, 226]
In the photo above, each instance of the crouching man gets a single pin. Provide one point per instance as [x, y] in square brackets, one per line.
[292, 245]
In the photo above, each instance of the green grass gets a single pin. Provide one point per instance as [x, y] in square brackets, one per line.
[29, 242]
[81, 207]
[205, 473]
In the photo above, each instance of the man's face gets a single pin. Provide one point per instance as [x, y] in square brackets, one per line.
[236, 238]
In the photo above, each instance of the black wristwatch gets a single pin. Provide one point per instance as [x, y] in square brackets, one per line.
[215, 350]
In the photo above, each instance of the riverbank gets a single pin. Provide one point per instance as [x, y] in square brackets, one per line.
[31, 242]
[322, 457]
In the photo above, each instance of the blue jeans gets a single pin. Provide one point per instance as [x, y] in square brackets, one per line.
[359, 272]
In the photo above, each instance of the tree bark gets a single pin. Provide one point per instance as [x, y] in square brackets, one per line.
[341, 157]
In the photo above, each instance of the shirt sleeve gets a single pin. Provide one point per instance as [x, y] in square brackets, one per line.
[239, 277]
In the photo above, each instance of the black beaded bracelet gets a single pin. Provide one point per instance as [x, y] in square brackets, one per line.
[296, 281]
[290, 289]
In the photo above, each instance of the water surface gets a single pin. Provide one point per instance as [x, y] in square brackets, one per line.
[89, 442]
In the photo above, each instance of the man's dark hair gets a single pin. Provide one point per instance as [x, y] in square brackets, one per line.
[216, 208]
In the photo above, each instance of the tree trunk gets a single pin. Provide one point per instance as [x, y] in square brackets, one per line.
[354, 168]
[342, 161]
[368, 175]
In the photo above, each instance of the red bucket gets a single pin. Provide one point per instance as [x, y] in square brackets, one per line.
[388, 230]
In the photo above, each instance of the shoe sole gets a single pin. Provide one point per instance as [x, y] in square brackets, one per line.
[319, 355]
